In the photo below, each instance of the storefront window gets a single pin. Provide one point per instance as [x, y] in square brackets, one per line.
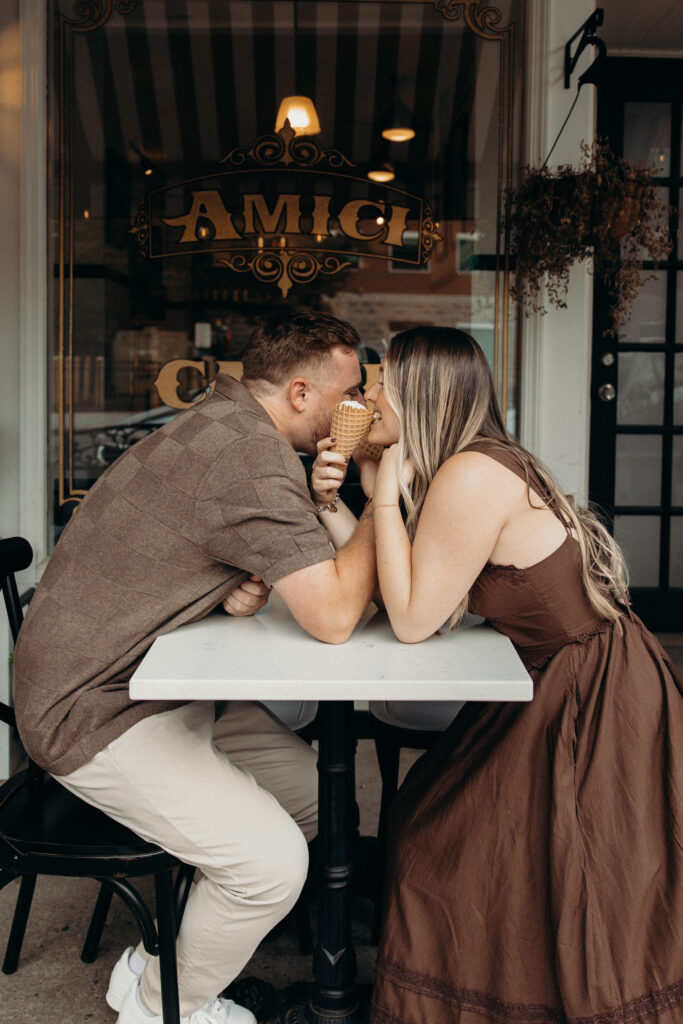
[179, 216]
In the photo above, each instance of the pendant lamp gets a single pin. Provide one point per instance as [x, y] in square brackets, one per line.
[301, 113]
[298, 110]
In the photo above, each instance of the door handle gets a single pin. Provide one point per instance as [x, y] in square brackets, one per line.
[607, 392]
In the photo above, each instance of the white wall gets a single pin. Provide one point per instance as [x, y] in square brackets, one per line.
[10, 157]
[23, 269]
[556, 348]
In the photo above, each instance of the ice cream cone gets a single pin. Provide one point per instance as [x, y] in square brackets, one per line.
[373, 451]
[350, 424]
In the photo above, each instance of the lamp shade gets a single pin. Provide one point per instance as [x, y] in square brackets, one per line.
[301, 113]
[396, 123]
[398, 134]
[384, 173]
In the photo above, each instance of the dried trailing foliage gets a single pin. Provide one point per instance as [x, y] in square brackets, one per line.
[608, 210]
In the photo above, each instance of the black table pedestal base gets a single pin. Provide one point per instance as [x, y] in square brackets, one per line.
[307, 1013]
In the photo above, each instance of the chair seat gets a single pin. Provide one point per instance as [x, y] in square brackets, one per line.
[417, 715]
[295, 714]
[51, 831]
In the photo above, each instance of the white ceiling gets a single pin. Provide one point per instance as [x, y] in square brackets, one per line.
[635, 27]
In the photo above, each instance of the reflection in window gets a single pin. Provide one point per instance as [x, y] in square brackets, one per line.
[647, 135]
[638, 538]
[677, 471]
[676, 553]
[638, 469]
[648, 316]
[640, 388]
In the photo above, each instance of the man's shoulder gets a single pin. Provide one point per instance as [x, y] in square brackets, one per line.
[226, 417]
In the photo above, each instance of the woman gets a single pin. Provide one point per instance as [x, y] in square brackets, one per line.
[536, 866]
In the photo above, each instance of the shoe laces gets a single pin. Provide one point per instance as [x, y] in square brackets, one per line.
[215, 1012]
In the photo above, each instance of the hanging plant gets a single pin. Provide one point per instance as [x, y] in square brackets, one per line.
[608, 210]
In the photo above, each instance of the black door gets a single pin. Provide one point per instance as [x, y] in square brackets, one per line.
[636, 446]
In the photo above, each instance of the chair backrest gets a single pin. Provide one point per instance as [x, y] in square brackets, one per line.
[15, 554]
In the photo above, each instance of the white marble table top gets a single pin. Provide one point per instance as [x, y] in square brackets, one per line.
[270, 657]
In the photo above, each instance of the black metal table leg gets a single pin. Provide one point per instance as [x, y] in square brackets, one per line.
[334, 997]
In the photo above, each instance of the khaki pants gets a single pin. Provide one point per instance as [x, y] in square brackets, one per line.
[219, 795]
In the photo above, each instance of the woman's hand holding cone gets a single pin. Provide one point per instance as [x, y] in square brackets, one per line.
[329, 471]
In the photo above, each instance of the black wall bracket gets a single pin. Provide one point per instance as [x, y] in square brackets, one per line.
[588, 37]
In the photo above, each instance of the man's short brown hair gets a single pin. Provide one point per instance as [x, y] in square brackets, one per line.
[286, 342]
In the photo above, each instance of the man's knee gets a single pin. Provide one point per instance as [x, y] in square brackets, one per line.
[273, 867]
[286, 865]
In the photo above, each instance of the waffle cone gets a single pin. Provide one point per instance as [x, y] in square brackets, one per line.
[350, 426]
[373, 451]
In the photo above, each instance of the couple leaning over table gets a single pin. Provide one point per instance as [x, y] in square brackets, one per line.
[536, 864]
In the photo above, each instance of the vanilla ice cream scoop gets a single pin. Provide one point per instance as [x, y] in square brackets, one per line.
[350, 404]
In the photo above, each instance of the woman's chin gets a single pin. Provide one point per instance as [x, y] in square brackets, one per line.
[377, 435]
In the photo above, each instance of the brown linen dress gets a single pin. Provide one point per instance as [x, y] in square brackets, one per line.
[535, 873]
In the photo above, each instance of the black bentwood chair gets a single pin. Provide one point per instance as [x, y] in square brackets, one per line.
[46, 830]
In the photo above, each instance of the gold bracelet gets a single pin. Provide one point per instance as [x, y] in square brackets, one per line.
[393, 505]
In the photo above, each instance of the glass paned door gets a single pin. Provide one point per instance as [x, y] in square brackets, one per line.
[636, 461]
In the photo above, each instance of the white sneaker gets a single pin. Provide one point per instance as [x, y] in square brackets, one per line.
[222, 1011]
[217, 1011]
[122, 978]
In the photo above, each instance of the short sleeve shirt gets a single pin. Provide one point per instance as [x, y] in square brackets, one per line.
[175, 524]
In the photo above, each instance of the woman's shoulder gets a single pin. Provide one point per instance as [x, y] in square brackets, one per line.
[476, 466]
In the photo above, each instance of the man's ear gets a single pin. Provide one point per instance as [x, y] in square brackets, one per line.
[297, 393]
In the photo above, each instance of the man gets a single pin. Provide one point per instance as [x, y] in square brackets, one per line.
[211, 508]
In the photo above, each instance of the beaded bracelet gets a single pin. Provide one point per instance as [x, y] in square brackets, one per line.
[331, 506]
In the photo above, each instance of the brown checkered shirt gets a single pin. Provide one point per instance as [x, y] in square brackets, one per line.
[164, 535]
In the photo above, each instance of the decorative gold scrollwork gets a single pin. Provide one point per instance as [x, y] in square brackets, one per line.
[285, 148]
[285, 268]
[92, 14]
[482, 20]
[141, 227]
[429, 235]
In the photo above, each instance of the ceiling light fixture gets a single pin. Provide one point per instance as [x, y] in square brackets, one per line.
[382, 174]
[298, 110]
[396, 124]
[301, 113]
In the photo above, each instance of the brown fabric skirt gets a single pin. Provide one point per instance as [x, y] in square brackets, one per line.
[536, 853]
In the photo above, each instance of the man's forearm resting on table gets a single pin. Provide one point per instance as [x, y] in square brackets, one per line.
[328, 599]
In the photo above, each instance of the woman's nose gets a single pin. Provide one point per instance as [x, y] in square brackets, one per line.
[371, 393]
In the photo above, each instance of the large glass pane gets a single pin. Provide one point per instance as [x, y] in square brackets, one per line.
[638, 537]
[647, 135]
[174, 228]
[677, 471]
[648, 313]
[638, 469]
[678, 389]
[640, 391]
[676, 553]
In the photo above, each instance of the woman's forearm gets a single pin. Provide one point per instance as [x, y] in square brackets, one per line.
[394, 563]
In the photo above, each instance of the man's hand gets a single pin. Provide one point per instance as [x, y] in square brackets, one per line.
[329, 470]
[247, 598]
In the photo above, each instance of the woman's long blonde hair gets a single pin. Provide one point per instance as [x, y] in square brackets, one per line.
[438, 383]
